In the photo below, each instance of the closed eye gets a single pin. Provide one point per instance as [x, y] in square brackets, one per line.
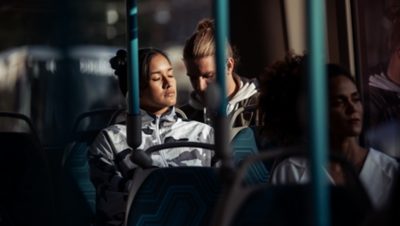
[356, 97]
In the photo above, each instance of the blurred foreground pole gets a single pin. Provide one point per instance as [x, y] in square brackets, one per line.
[133, 120]
[317, 110]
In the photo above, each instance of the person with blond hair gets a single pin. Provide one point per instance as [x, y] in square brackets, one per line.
[199, 59]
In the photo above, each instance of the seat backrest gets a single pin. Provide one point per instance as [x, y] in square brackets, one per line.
[181, 196]
[93, 120]
[281, 205]
[291, 205]
[78, 192]
[244, 145]
[26, 192]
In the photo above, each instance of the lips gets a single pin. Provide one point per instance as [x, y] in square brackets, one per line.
[169, 94]
[354, 120]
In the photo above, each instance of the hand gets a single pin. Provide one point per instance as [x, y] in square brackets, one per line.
[140, 158]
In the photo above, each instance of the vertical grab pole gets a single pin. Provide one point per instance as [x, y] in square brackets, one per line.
[317, 110]
[133, 120]
[221, 10]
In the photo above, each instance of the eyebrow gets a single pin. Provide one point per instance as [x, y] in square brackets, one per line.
[159, 72]
[204, 74]
[344, 96]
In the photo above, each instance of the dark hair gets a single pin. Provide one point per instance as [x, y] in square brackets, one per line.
[335, 70]
[119, 64]
[281, 86]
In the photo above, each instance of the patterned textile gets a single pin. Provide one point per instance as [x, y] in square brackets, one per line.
[111, 168]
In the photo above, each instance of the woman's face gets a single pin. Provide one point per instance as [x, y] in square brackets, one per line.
[161, 91]
[346, 110]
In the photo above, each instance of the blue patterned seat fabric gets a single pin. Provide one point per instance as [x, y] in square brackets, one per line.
[184, 196]
[244, 145]
[79, 194]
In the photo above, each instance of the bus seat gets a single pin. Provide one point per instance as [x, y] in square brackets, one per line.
[290, 205]
[178, 196]
[281, 205]
[92, 121]
[243, 145]
[78, 192]
[26, 191]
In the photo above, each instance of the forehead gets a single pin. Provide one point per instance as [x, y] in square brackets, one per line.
[341, 85]
[158, 61]
[203, 64]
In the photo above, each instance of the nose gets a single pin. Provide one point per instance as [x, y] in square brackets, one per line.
[202, 84]
[167, 82]
[351, 107]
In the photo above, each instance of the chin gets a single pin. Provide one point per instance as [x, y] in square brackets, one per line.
[354, 133]
[170, 103]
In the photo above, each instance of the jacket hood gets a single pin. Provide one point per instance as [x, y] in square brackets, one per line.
[382, 82]
[247, 88]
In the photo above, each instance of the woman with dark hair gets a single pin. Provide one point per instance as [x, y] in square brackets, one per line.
[110, 157]
[375, 169]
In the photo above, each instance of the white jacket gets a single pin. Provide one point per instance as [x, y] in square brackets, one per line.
[111, 168]
[377, 174]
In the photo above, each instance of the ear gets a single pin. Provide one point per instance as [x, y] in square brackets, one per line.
[230, 65]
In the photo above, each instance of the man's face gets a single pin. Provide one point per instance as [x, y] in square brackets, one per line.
[202, 72]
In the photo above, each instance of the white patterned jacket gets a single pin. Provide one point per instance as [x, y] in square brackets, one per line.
[111, 168]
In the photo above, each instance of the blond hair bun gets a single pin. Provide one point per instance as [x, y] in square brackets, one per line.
[205, 24]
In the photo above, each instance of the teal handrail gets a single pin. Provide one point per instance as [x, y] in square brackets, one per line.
[133, 118]
[221, 36]
[317, 110]
[221, 14]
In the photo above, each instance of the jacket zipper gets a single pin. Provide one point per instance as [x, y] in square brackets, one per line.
[159, 140]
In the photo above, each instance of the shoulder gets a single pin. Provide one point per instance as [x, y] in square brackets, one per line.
[294, 162]
[193, 130]
[378, 174]
[386, 163]
[291, 170]
[245, 80]
[114, 132]
[248, 92]
[379, 95]
[192, 124]
[112, 138]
